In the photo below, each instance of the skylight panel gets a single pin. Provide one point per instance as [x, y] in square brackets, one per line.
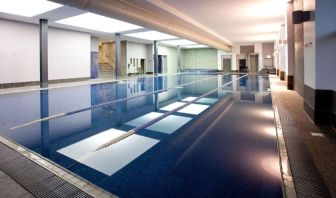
[27, 8]
[97, 22]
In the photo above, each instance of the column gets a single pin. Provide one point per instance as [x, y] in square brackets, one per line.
[298, 46]
[178, 58]
[282, 52]
[43, 53]
[319, 61]
[117, 55]
[156, 57]
[290, 47]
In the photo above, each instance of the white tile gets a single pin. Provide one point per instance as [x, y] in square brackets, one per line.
[110, 159]
[193, 109]
[87, 145]
[143, 119]
[202, 100]
[167, 125]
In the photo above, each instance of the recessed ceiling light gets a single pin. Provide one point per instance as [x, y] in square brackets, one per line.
[27, 8]
[151, 35]
[194, 46]
[97, 22]
[179, 42]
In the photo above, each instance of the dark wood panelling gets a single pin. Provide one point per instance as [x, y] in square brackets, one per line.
[318, 104]
[282, 75]
[290, 82]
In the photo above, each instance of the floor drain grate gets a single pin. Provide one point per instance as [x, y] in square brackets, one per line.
[37, 180]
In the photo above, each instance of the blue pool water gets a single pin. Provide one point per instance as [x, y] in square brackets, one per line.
[229, 154]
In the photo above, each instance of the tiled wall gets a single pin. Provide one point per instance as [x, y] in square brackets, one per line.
[94, 65]
[37, 83]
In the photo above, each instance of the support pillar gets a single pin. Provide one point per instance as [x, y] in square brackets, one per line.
[298, 46]
[282, 53]
[290, 46]
[156, 57]
[319, 69]
[43, 53]
[117, 41]
[178, 58]
[94, 66]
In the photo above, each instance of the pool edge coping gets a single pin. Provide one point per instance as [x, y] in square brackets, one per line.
[65, 174]
[286, 176]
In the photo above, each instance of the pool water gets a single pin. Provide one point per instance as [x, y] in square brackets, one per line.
[184, 154]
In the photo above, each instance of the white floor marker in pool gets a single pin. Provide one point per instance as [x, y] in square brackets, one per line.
[110, 159]
[202, 100]
[193, 109]
[167, 125]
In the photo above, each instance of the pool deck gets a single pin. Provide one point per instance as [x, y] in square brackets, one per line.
[311, 148]
[72, 84]
[26, 174]
[311, 153]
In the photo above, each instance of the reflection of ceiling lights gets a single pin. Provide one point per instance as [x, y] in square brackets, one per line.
[151, 35]
[194, 46]
[270, 131]
[99, 23]
[179, 42]
[266, 113]
[27, 8]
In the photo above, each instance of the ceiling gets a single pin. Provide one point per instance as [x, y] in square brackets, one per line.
[239, 21]
[231, 21]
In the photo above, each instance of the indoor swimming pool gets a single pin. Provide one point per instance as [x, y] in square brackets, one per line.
[184, 135]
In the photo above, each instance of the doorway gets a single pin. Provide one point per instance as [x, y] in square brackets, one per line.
[227, 65]
[162, 67]
[142, 66]
[253, 66]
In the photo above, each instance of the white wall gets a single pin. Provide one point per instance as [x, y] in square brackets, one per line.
[69, 53]
[135, 50]
[258, 49]
[19, 52]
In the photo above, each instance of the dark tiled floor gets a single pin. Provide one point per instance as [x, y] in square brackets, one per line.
[19, 176]
[10, 189]
[321, 149]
